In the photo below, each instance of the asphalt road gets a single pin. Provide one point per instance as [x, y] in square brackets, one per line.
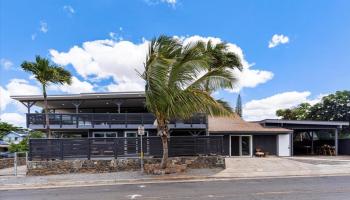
[317, 188]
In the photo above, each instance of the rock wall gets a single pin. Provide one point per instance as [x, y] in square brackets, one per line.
[9, 162]
[37, 168]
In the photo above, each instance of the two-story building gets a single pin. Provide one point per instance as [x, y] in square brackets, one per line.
[119, 114]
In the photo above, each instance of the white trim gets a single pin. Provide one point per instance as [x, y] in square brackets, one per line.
[240, 145]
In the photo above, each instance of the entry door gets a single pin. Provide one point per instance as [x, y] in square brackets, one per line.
[130, 142]
[241, 145]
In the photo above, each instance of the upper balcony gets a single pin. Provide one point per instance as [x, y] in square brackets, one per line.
[109, 121]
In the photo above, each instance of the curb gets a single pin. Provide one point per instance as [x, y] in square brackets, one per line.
[148, 181]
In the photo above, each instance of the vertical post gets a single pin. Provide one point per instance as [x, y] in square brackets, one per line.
[312, 143]
[141, 132]
[115, 148]
[88, 149]
[15, 164]
[30, 150]
[291, 144]
[61, 149]
[61, 120]
[336, 141]
[141, 155]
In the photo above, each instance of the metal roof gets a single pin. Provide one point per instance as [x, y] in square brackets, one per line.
[81, 96]
[304, 122]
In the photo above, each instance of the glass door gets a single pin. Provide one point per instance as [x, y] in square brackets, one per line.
[245, 145]
[240, 145]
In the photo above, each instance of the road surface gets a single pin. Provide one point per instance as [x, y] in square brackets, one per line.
[317, 188]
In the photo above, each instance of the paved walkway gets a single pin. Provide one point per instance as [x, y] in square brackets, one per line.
[287, 166]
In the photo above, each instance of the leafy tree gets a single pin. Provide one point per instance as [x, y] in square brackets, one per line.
[5, 128]
[47, 73]
[177, 77]
[298, 113]
[333, 107]
[24, 144]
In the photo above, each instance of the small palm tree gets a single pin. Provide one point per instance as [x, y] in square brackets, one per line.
[47, 73]
[176, 78]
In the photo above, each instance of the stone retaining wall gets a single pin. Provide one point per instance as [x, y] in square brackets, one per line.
[37, 168]
[8, 162]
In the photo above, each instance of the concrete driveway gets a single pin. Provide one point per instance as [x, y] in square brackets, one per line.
[285, 166]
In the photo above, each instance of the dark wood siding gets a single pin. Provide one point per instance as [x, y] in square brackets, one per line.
[267, 143]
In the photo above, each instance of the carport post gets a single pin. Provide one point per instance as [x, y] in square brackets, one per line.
[312, 143]
[336, 141]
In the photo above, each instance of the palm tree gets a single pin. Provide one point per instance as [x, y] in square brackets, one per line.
[176, 76]
[221, 58]
[47, 73]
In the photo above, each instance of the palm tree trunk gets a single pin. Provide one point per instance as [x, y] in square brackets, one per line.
[164, 134]
[47, 121]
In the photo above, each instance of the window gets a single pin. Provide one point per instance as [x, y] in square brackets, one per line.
[105, 134]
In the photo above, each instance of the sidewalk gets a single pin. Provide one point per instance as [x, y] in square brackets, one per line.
[236, 168]
[83, 179]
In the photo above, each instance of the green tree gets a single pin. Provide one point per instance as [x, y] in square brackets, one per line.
[301, 112]
[47, 73]
[333, 107]
[5, 128]
[238, 109]
[176, 77]
[24, 144]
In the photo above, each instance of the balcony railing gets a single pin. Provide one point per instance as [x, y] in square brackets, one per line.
[108, 120]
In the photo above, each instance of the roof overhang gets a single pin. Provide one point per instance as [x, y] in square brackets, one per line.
[304, 124]
[81, 96]
[87, 100]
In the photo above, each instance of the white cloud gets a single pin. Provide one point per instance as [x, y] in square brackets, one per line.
[69, 9]
[22, 87]
[77, 86]
[266, 108]
[5, 63]
[277, 40]
[17, 87]
[43, 27]
[14, 118]
[155, 2]
[125, 85]
[101, 59]
[4, 98]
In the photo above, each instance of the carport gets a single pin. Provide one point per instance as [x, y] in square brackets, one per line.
[310, 137]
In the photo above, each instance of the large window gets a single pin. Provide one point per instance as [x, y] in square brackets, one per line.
[105, 134]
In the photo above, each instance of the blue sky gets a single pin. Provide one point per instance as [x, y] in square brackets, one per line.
[102, 42]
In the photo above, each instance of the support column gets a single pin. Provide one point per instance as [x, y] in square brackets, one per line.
[291, 144]
[118, 103]
[312, 143]
[77, 104]
[336, 141]
[28, 104]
